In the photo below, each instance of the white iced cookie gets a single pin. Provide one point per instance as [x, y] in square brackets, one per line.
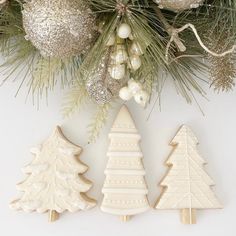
[125, 190]
[187, 186]
[53, 184]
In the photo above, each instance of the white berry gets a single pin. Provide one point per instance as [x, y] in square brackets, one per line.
[120, 56]
[135, 62]
[124, 31]
[141, 98]
[135, 49]
[117, 71]
[134, 87]
[125, 94]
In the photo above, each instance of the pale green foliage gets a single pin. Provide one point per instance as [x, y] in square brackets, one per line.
[98, 122]
[23, 60]
[152, 38]
[73, 100]
[148, 31]
[47, 71]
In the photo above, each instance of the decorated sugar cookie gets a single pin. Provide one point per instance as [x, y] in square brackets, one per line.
[125, 190]
[186, 186]
[54, 183]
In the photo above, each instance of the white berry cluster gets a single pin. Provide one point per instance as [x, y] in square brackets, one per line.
[123, 58]
[134, 90]
[126, 57]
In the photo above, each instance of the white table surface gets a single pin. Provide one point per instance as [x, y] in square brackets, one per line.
[23, 126]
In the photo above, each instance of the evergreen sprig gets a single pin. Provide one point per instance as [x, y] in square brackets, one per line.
[214, 20]
[74, 99]
[23, 61]
[98, 122]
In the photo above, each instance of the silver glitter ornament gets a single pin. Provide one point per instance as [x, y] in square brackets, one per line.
[59, 28]
[178, 5]
[101, 87]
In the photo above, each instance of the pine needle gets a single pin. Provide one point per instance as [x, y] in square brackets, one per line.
[98, 122]
[74, 100]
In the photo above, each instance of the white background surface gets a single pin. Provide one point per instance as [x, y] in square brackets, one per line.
[22, 126]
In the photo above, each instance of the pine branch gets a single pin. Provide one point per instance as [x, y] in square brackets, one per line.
[75, 98]
[23, 60]
[99, 121]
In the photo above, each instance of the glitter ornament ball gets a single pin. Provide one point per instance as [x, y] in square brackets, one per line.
[60, 28]
[179, 5]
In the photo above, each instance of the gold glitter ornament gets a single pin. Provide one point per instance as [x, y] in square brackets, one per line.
[178, 5]
[101, 87]
[222, 70]
[59, 28]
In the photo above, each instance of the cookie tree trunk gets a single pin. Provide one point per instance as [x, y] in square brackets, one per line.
[188, 216]
[125, 218]
[53, 216]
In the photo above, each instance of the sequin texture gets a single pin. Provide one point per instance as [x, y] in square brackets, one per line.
[59, 28]
[101, 86]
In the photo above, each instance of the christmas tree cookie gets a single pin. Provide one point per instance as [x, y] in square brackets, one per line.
[186, 186]
[125, 190]
[54, 183]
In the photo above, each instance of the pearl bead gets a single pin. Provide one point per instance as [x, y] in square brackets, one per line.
[141, 98]
[136, 49]
[120, 56]
[117, 71]
[134, 87]
[135, 62]
[125, 94]
[124, 31]
[111, 40]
